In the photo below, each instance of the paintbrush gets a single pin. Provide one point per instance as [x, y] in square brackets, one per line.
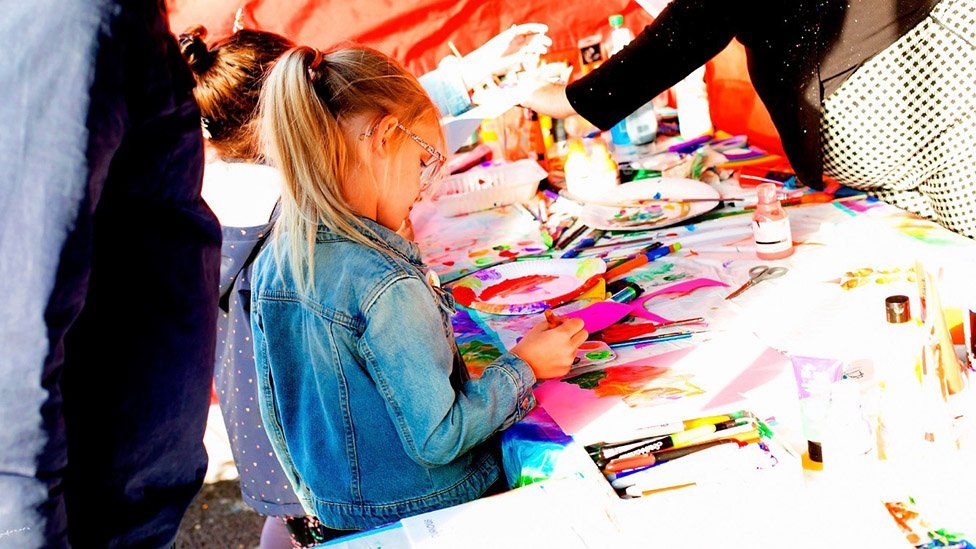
[553, 320]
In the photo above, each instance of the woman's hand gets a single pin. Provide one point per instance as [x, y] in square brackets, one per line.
[509, 49]
[546, 98]
[550, 352]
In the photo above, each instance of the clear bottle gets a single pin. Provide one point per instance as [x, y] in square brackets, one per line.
[847, 435]
[694, 115]
[771, 226]
[620, 36]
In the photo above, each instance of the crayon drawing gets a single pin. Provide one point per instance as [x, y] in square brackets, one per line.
[639, 386]
[870, 275]
[453, 247]
[478, 346]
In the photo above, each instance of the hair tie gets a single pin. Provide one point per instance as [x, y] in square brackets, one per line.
[313, 68]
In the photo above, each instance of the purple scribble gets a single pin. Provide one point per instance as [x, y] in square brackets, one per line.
[488, 274]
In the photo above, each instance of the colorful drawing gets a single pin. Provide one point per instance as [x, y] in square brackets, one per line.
[656, 273]
[479, 347]
[593, 353]
[868, 275]
[527, 287]
[455, 246]
[927, 231]
[918, 531]
[635, 218]
[639, 386]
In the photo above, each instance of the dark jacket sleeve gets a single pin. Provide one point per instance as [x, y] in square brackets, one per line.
[686, 35]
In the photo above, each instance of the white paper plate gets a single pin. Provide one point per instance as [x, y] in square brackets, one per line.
[616, 210]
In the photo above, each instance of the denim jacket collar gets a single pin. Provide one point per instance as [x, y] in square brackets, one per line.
[384, 237]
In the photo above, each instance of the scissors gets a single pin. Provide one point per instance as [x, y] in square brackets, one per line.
[756, 275]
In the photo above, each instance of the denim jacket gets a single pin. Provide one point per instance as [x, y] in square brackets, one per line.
[362, 388]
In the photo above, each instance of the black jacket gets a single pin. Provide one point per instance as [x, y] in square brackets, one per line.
[799, 51]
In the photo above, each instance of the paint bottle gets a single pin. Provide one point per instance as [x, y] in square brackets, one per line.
[899, 426]
[771, 226]
[847, 441]
[694, 116]
[590, 176]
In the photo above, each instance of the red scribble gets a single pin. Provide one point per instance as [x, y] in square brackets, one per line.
[512, 286]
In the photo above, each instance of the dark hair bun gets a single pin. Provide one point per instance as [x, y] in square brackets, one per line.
[195, 50]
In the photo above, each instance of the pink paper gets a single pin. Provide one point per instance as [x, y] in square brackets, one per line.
[574, 407]
[604, 314]
[601, 315]
[765, 368]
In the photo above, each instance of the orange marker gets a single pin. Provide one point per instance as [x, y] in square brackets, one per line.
[633, 462]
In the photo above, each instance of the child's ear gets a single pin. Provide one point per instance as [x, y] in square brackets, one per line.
[383, 136]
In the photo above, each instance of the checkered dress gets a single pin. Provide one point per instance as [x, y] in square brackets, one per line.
[903, 126]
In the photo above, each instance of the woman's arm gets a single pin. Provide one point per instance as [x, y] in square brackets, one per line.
[686, 35]
[410, 357]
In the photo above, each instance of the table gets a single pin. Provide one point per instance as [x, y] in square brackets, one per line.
[849, 256]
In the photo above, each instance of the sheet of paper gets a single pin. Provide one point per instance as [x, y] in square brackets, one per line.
[567, 513]
[712, 377]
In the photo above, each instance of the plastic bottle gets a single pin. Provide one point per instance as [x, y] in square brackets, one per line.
[642, 125]
[590, 176]
[694, 116]
[847, 436]
[620, 36]
[771, 226]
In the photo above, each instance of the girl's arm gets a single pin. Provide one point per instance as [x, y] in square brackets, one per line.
[410, 357]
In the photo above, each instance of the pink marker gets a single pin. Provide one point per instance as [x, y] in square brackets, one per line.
[771, 226]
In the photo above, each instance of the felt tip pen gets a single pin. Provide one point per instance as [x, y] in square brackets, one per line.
[652, 339]
[623, 465]
[627, 294]
[697, 435]
[662, 472]
[643, 258]
[647, 432]
[659, 443]
[571, 234]
[583, 244]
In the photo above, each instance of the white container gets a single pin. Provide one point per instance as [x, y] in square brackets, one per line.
[486, 187]
[694, 116]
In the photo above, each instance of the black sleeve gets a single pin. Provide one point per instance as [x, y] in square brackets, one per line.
[686, 35]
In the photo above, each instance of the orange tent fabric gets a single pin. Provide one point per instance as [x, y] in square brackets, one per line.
[416, 32]
[734, 105]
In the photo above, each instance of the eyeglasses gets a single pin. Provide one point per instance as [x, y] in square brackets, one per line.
[431, 167]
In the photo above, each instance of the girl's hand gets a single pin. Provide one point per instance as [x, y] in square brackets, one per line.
[550, 352]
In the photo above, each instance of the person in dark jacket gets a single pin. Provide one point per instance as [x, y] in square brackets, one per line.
[108, 276]
[879, 95]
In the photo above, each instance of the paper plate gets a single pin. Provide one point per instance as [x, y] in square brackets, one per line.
[619, 211]
[527, 287]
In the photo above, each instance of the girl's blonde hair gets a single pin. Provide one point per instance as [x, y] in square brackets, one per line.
[304, 97]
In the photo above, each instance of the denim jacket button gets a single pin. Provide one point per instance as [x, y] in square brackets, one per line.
[433, 279]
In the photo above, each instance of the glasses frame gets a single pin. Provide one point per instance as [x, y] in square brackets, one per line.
[431, 167]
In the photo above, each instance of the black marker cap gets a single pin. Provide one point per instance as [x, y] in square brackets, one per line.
[815, 451]
[897, 309]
